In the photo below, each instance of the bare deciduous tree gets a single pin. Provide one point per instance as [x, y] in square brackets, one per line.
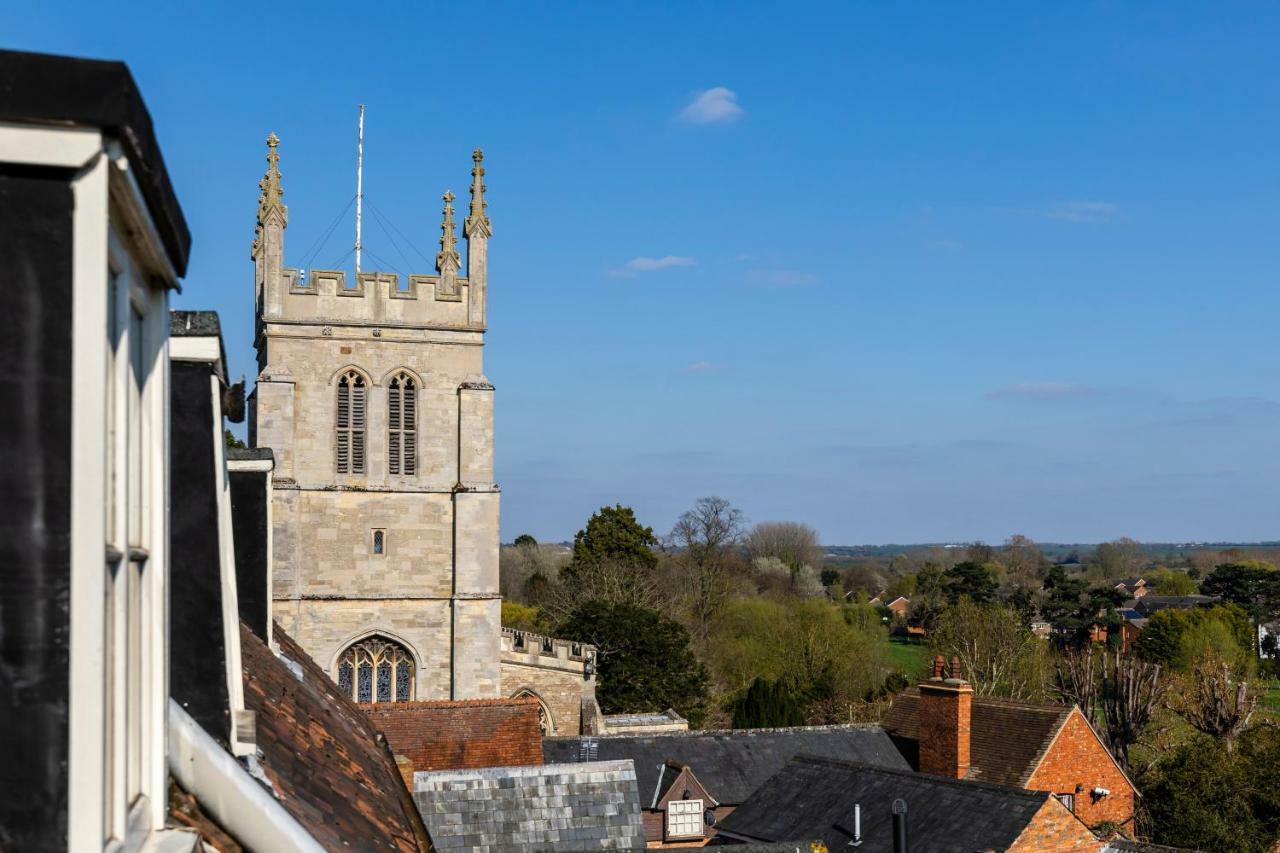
[1131, 692]
[704, 540]
[791, 542]
[613, 582]
[1214, 702]
[1116, 694]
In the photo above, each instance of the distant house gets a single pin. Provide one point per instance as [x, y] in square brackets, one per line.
[712, 772]
[1151, 604]
[849, 805]
[943, 729]
[1133, 587]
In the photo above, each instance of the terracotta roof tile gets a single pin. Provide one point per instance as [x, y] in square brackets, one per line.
[326, 764]
[1008, 738]
[462, 735]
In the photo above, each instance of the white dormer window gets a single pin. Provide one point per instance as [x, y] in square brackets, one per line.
[684, 819]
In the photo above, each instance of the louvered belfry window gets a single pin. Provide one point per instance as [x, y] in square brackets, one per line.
[350, 423]
[402, 422]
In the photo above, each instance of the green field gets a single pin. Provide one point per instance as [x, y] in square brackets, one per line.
[911, 658]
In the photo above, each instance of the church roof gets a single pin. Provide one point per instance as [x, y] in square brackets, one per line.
[730, 764]
[319, 755]
[466, 734]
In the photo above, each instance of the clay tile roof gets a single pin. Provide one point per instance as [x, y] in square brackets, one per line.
[1008, 738]
[461, 735]
[324, 762]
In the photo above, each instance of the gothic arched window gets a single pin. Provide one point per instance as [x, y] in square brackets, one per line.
[402, 424]
[376, 670]
[350, 423]
[544, 716]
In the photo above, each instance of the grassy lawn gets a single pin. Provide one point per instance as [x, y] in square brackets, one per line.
[1271, 698]
[913, 658]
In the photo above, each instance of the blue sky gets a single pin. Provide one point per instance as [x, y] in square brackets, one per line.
[907, 272]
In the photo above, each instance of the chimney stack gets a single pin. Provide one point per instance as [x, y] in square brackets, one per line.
[944, 720]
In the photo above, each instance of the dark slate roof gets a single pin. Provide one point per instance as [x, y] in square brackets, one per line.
[730, 764]
[1149, 604]
[194, 324]
[1007, 738]
[1124, 845]
[813, 796]
[65, 90]
[325, 763]
[593, 806]
[241, 454]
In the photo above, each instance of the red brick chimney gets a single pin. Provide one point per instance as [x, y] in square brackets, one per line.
[945, 709]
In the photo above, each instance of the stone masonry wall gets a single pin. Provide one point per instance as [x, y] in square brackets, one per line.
[556, 676]
[1078, 760]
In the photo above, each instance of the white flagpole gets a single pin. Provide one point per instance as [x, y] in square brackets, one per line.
[359, 183]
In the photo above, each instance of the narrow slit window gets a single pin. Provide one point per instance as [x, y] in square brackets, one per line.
[379, 545]
[350, 424]
[402, 425]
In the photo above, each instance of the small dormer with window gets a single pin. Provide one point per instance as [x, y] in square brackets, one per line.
[686, 807]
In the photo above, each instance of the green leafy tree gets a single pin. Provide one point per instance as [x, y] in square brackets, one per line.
[1203, 797]
[229, 439]
[998, 653]
[767, 705]
[1177, 638]
[1252, 584]
[1169, 581]
[971, 580]
[524, 617]
[524, 540]
[614, 535]
[645, 659]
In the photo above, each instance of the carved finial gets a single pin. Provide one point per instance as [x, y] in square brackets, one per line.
[447, 259]
[272, 195]
[477, 223]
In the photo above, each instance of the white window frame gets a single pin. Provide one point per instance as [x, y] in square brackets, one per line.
[116, 773]
[685, 819]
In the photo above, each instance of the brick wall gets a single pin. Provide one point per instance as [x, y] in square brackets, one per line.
[945, 728]
[470, 734]
[1055, 830]
[1078, 759]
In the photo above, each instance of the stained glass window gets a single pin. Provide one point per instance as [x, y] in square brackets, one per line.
[377, 665]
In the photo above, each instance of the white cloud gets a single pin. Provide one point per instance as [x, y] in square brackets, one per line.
[1093, 212]
[713, 106]
[639, 265]
[702, 367]
[1042, 391]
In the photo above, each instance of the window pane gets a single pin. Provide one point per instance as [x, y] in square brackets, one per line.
[365, 683]
[402, 682]
[344, 679]
[384, 682]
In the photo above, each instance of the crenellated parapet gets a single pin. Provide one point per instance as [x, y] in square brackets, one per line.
[546, 650]
[445, 299]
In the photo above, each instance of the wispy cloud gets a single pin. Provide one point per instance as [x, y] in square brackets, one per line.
[702, 367]
[718, 105]
[782, 278]
[1092, 212]
[639, 265]
[1042, 391]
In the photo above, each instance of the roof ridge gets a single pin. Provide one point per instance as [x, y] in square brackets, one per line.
[966, 783]
[445, 703]
[855, 727]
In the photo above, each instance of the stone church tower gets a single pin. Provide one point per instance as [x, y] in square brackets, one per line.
[371, 392]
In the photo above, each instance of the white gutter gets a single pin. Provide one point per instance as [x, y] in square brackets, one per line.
[232, 797]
